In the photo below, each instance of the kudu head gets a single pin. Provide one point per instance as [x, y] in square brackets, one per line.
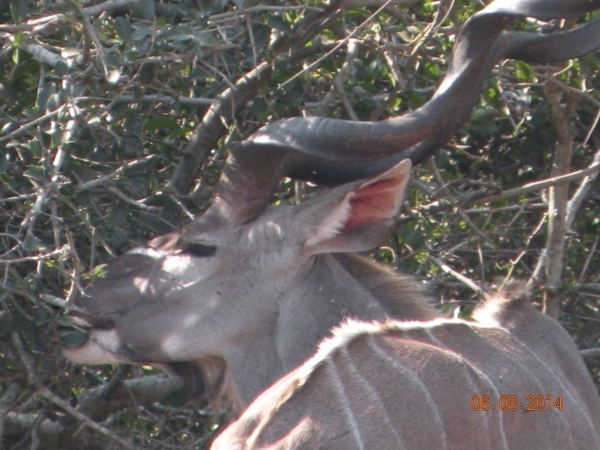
[245, 292]
[225, 294]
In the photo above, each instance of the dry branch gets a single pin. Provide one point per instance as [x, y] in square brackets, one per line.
[229, 102]
[480, 197]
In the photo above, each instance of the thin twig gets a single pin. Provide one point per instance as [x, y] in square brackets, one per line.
[467, 281]
[75, 284]
[588, 259]
[459, 209]
[132, 202]
[32, 124]
[524, 250]
[44, 392]
[107, 178]
[50, 396]
[166, 99]
[43, 257]
[535, 186]
[263, 8]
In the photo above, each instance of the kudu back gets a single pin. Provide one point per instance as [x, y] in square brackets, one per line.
[244, 294]
[510, 379]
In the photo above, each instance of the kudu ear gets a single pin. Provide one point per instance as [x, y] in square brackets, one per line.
[357, 216]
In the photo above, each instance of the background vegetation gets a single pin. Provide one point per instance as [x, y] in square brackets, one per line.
[115, 120]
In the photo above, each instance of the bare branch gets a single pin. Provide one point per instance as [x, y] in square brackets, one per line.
[48, 395]
[32, 124]
[557, 196]
[132, 202]
[107, 178]
[530, 187]
[466, 281]
[575, 202]
[44, 56]
[590, 354]
[263, 8]
[211, 127]
[193, 101]
[109, 5]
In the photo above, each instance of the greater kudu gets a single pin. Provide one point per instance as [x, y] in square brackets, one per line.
[244, 294]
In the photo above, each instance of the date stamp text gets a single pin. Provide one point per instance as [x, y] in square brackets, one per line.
[512, 403]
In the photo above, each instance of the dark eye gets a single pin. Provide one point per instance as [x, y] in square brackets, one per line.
[201, 250]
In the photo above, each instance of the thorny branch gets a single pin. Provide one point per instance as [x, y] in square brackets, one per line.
[47, 394]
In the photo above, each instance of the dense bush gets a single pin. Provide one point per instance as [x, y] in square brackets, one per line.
[115, 120]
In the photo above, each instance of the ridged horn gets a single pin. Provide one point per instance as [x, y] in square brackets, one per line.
[333, 151]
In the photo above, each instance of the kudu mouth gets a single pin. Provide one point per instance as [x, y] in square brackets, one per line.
[202, 379]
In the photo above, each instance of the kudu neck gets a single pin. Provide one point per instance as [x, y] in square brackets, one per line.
[340, 287]
[333, 289]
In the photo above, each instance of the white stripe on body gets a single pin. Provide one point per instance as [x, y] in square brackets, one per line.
[346, 408]
[564, 389]
[407, 372]
[373, 395]
[468, 365]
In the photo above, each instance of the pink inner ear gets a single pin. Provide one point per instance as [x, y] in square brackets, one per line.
[375, 202]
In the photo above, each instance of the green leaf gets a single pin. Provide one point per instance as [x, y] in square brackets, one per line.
[523, 71]
[123, 28]
[117, 217]
[76, 339]
[143, 9]
[99, 271]
[147, 73]
[157, 123]
[64, 321]
[53, 102]
[19, 10]
[37, 173]
[61, 68]
[33, 244]
[278, 23]
[180, 132]
[414, 98]
[35, 148]
[5, 324]
[119, 239]
[141, 31]
[19, 38]
[44, 94]
[482, 114]
[432, 69]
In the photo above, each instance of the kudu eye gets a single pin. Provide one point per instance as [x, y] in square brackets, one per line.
[201, 250]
